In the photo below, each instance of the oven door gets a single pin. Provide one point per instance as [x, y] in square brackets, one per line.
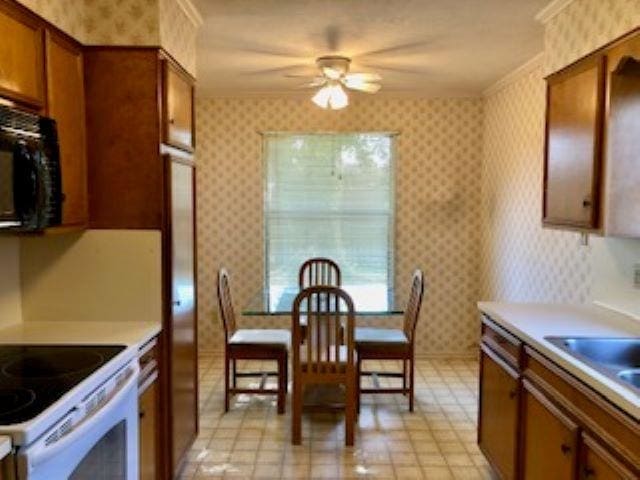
[104, 445]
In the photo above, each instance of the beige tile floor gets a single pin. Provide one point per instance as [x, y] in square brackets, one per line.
[437, 441]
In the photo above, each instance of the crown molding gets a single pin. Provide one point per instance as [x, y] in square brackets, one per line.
[191, 11]
[552, 9]
[527, 67]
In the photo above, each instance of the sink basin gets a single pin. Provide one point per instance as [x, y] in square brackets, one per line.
[619, 358]
[631, 376]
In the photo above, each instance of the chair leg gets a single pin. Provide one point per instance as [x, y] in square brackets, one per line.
[411, 383]
[404, 376]
[234, 370]
[282, 386]
[358, 386]
[226, 383]
[296, 414]
[350, 413]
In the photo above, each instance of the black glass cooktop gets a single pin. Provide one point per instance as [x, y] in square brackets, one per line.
[33, 377]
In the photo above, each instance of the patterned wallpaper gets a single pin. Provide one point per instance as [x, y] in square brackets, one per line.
[437, 202]
[124, 22]
[121, 22]
[521, 261]
[178, 34]
[67, 15]
[585, 25]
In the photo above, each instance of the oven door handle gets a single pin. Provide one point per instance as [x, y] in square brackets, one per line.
[41, 452]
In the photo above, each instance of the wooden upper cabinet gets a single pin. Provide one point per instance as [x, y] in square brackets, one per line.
[21, 56]
[598, 464]
[575, 101]
[123, 137]
[177, 108]
[65, 103]
[549, 440]
[498, 414]
[622, 205]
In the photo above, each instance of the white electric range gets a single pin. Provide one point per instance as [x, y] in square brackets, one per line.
[70, 410]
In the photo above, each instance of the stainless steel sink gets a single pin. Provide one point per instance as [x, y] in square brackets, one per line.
[618, 358]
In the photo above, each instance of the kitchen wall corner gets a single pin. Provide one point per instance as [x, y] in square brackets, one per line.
[10, 295]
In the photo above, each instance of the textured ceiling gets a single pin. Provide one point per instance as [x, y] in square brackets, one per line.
[420, 47]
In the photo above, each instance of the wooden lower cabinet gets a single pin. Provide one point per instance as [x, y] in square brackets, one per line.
[549, 439]
[498, 413]
[148, 432]
[598, 464]
[538, 422]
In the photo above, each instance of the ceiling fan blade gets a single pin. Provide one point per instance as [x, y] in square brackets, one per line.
[362, 77]
[395, 48]
[314, 82]
[365, 87]
[408, 71]
[286, 68]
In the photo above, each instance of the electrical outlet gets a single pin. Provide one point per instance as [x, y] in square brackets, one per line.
[636, 275]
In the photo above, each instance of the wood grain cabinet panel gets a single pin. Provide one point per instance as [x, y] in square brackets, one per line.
[622, 205]
[498, 413]
[21, 56]
[183, 342]
[178, 108]
[596, 463]
[549, 446]
[575, 100]
[148, 432]
[65, 103]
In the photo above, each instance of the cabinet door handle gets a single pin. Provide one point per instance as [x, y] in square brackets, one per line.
[589, 472]
[586, 203]
[565, 448]
[513, 393]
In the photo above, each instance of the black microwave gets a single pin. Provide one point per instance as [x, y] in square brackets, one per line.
[30, 181]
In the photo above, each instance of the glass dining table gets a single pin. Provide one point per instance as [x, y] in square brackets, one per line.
[367, 300]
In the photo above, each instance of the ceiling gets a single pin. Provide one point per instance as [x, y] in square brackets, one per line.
[419, 47]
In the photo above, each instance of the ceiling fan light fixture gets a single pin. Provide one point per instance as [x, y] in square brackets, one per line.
[338, 98]
[331, 96]
[321, 98]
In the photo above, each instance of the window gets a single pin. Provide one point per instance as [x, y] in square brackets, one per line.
[330, 195]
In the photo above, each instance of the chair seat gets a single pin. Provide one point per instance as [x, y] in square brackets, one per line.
[262, 337]
[380, 336]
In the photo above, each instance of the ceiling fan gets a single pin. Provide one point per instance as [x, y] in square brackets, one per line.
[335, 77]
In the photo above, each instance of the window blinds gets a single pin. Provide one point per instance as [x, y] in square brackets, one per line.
[329, 195]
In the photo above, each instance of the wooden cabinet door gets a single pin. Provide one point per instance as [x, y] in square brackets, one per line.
[498, 413]
[598, 464]
[549, 439]
[182, 327]
[573, 145]
[148, 432]
[178, 108]
[622, 208]
[21, 56]
[65, 103]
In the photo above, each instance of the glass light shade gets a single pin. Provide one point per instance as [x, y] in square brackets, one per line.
[321, 98]
[331, 96]
[338, 98]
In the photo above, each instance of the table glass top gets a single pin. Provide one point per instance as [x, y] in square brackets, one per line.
[372, 300]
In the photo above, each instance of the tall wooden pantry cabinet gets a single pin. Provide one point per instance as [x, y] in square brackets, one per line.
[142, 176]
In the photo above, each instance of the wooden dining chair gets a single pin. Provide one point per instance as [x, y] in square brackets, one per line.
[392, 344]
[323, 360]
[251, 344]
[319, 271]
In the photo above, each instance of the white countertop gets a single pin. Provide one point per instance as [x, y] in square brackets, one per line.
[533, 322]
[87, 333]
[5, 446]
